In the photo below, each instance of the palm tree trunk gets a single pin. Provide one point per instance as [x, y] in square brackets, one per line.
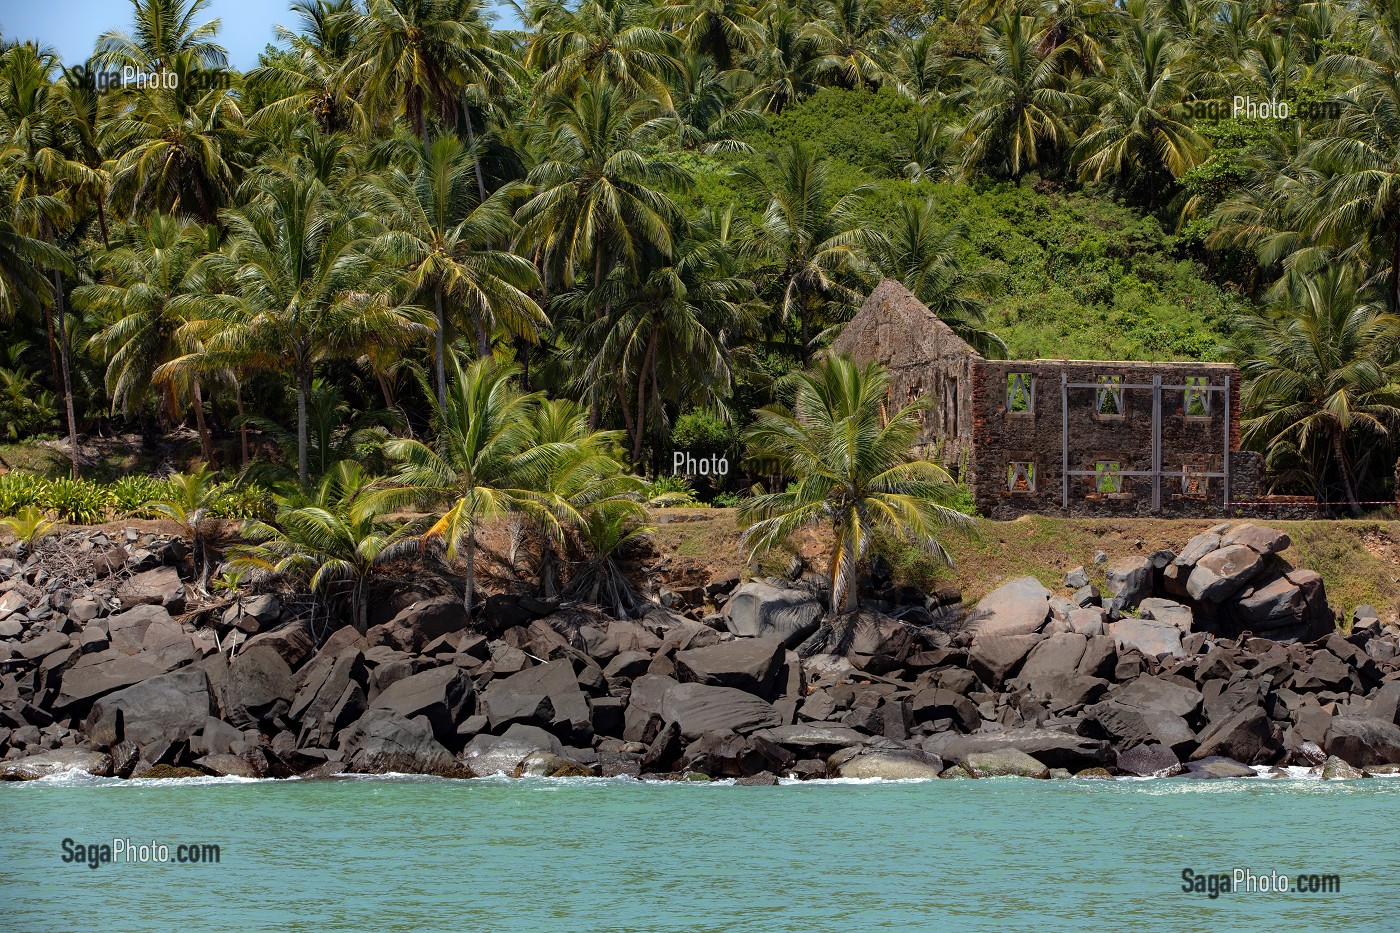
[242, 425]
[206, 446]
[476, 156]
[303, 394]
[648, 360]
[441, 362]
[1340, 454]
[471, 572]
[61, 308]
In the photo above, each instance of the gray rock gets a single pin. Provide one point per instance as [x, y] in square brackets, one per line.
[748, 664]
[58, 761]
[1244, 736]
[888, 765]
[159, 587]
[812, 735]
[1127, 582]
[259, 686]
[1076, 578]
[1004, 762]
[1020, 607]
[1154, 761]
[503, 754]
[698, 709]
[1089, 621]
[994, 658]
[1257, 537]
[382, 741]
[443, 695]
[555, 679]
[1146, 636]
[420, 623]
[100, 673]
[1217, 766]
[759, 610]
[1220, 574]
[870, 641]
[165, 709]
[1363, 742]
[1196, 548]
[1335, 769]
[1166, 610]
[1292, 606]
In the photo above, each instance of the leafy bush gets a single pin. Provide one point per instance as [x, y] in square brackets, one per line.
[703, 433]
[673, 492]
[20, 490]
[727, 500]
[131, 495]
[248, 502]
[78, 501]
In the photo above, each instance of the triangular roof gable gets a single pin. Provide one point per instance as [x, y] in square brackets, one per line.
[898, 330]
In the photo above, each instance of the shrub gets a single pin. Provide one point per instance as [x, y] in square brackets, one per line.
[131, 495]
[78, 501]
[18, 490]
[248, 502]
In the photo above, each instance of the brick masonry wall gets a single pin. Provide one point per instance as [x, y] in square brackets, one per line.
[1002, 437]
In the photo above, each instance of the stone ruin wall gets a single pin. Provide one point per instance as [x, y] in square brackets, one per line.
[1036, 438]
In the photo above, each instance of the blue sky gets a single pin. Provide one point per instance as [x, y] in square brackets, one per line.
[72, 26]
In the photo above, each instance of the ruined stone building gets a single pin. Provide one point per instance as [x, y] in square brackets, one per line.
[1061, 436]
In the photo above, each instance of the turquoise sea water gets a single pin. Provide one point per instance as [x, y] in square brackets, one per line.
[492, 855]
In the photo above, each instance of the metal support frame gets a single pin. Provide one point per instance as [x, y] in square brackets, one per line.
[1157, 473]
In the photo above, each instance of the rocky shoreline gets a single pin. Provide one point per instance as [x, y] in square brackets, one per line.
[1197, 664]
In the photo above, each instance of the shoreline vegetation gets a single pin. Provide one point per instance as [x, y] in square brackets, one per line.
[410, 319]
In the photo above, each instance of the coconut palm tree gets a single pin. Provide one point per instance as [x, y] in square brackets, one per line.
[1021, 106]
[316, 77]
[162, 31]
[189, 501]
[152, 289]
[601, 195]
[304, 290]
[1324, 380]
[851, 36]
[853, 473]
[447, 241]
[923, 255]
[483, 465]
[782, 63]
[720, 30]
[611, 43]
[810, 243]
[330, 539]
[1139, 133]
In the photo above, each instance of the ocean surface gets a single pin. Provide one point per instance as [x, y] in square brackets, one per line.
[571, 855]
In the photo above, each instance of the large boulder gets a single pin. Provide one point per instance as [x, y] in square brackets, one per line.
[1363, 742]
[889, 765]
[759, 610]
[100, 673]
[1051, 747]
[443, 695]
[420, 623]
[259, 686]
[698, 708]
[381, 741]
[1292, 606]
[126, 631]
[1148, 637]
[1223, 573]
[1244, 736]
[1020, 607]
[994, 658]
[748, 664]
[555, 680]
[164, 709]
[159, 587]
[503, 754]
[870, 641]
[813, 737]
[59, 761]
[1258, 538]
[1003, 762]
[1151, 761]
[1128, 581]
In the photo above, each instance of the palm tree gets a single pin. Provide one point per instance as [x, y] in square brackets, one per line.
[611, 43]
[153, 289]
[810, 242]
[1020, 106]
[923, 255]
[332, 537]
[447, 240]
[851, 37]
[189, 502]
[484, 464]
[315, 77]
[601, 195]
[783, 61]
[305, 290]
[179, 154]
[1139, 133]
[852, 473]
[1325, 377]
[163, 31]
[416, 53]
[720, 30]
[709, 118]
[23, 285]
